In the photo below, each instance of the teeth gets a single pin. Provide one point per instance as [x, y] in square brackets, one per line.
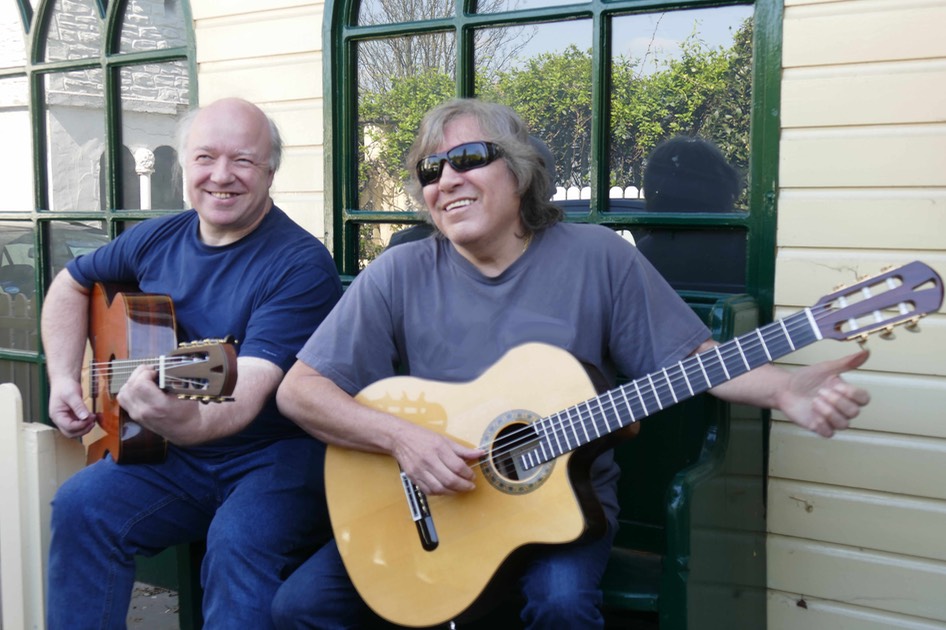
[458, 204]
[221, 195]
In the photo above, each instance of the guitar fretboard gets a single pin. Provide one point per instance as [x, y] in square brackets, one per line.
[618, 408]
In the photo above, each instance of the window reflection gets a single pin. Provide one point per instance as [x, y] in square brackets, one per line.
[15, 131]
[75, 139]
[531, 67]
[69, 239]
[498, 6]
[13, 40]
[678, 73]
[399, 80]
[154, 97]
[372, 12]
[152, 25]
[74, 31]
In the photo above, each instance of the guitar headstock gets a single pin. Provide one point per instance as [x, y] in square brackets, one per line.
[200, 370]
[878, 303]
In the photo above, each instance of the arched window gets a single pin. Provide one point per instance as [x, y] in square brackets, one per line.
[607, 86]
[107, 82]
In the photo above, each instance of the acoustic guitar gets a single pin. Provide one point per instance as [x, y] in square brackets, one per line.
[127, 329]
[424, 560]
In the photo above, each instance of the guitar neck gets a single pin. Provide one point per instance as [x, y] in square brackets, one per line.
[618, 408]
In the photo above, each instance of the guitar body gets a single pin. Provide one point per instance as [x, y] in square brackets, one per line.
[477, 532]
[125, 324]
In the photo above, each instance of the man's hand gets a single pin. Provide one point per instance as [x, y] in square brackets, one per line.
[818, 399]
[67, 409]
[436, 464]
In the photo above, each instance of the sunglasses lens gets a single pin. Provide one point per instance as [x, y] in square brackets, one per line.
[468, 156]
[428, 169]
[462, 158]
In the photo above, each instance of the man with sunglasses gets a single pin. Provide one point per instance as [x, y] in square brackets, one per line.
[504, 270]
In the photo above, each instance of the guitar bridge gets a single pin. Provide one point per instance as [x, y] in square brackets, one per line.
[420, 513]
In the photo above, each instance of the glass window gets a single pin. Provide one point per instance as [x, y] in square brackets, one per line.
[387, 12]
[680, 88]
[621, 93]
[74, 31]
[15, 131]
[154, 97]
[12, 41]
[152, 25]
[15, 113]
[526, 66]
[75, 139]
[398, 80]
[69, 239]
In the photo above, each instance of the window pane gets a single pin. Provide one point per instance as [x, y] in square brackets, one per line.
[18, 316]
[544, 73]
[17, 261]
[695, 259]
[394, 11]
[154, 97]
[68, 239]
[12, 38]
[681, 73]
[15, 130]
[75, 141]
[399, 80]
[74, 31]
[152, 24]
[498, 6]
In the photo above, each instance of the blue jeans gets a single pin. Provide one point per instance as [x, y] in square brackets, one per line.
[559, 588]
[262, 513]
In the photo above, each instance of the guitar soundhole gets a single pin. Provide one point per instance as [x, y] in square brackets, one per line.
[509, 437]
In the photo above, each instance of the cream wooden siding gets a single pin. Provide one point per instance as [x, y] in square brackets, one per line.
[856, 524]
[270, 53]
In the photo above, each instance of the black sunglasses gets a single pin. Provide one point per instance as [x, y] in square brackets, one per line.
[463, 157]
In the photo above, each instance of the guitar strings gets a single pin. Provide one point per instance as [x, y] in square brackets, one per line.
[525, 437]
[123, 368]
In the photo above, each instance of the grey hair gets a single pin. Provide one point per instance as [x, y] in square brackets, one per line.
[187, 120]
[500, 125]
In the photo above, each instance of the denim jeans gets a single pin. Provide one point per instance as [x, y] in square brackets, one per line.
[558, 588]
[262, 513]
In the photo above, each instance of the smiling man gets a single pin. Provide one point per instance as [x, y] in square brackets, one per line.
[236, 473]
[504, 270]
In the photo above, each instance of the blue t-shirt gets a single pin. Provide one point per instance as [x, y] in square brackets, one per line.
[422, 309]
[269, 290]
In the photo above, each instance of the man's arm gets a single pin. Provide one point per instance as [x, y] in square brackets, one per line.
[183, 422]
[65, 329]
[436, 464]
[814, 397]
[187, 422]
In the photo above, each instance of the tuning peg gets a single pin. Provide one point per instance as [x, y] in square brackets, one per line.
[913, 325]
[887, 333]
[861, 339]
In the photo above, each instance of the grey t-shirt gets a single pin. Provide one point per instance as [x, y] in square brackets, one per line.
[422, 309]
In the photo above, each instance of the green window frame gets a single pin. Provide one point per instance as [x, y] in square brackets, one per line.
[140, 55]
[342, 34]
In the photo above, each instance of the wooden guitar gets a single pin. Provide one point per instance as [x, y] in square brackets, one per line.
[420, 561]
[128, 329]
